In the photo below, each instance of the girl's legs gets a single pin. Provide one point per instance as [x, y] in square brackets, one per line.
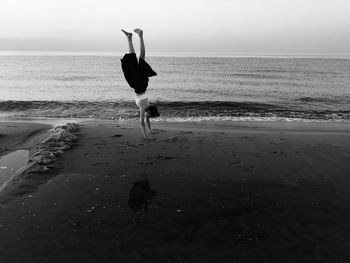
[142, 44]
[129, 37]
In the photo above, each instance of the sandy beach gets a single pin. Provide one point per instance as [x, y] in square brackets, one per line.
[20, 135]
[215, 192]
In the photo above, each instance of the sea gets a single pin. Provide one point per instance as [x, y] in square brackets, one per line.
[187, 88]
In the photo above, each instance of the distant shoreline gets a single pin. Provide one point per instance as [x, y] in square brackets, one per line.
[182, 54]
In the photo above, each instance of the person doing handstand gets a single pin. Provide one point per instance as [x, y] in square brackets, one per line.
[137, 73]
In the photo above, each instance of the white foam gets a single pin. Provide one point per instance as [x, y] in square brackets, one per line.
[61, 139]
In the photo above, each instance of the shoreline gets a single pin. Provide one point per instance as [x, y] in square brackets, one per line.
[273, 124]
[305, 109]
[244, 192]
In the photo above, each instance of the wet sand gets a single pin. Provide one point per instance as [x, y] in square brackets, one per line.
[21, 135]
[241, 192]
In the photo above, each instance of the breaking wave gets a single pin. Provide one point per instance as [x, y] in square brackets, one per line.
[176, 111]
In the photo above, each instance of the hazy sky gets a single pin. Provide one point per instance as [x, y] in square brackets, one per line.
[277, 26]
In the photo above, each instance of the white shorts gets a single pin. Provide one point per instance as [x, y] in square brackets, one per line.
[141, 100]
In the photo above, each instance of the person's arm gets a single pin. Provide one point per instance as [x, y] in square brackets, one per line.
[142, 120]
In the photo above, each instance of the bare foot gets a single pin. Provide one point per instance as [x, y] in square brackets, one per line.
[128, 35]
[138, 31]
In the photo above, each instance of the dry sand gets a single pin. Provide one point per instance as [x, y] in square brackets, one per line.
[241, 192]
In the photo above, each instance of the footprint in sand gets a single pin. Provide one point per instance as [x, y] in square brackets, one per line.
[97, 164]
[277, 143]
[277, 152]
[177, 139]
[76, 223]
[186, 147]
[150, 139]
[248, 138]
[245, 168]
[174, 139]
[145, 163]
[167, 157]
[235, 163]
[186, 132]
[201, 140]
[116, 136]
[127, 145]
[248, 168]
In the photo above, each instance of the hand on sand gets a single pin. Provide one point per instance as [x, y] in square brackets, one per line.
[138, 31]
[128, 34]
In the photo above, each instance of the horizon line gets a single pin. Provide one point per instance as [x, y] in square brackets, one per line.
[178, 54]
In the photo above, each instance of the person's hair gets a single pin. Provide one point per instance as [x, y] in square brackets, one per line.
[153, 111]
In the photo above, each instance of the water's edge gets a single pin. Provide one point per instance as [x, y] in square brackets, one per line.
[170, 111]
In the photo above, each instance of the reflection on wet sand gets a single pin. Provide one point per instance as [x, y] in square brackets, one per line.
[140, 197]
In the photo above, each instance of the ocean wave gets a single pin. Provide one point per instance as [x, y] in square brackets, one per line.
[170, 110]
[255, 76]
[334, 99]
[73, 78]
